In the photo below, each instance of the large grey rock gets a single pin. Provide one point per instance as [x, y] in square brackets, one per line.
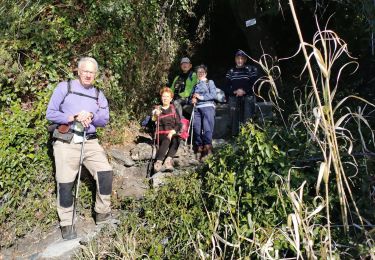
[138, 172]
[217, 143]
[222, 121]
[185, 157]
[264, 110]
[142, 152]
[129, 181]
[132, 183]
[118, 169]
[132, 188]
[60, 248]
[159, 178]
[121, 157]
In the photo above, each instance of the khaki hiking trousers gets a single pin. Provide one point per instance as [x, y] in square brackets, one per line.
[67, 156]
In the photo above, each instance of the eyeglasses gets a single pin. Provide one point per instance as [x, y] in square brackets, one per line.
[201, 72]
[88, 72]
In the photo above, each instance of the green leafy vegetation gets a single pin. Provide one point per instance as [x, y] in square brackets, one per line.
[268, 195]
[246, 201]
[40, 44]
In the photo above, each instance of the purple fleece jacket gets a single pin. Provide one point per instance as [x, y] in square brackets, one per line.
[73, 104]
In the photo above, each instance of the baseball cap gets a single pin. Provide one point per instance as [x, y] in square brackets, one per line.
[185, 60]
[240, 53]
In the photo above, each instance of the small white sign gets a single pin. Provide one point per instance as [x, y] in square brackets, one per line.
[251, 22]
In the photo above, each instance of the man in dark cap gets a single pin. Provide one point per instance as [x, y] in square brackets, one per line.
[239, 88]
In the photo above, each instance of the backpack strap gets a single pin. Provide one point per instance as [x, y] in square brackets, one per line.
[208, 85]
[190, 75]
[69, 91]
[173, 109]
[175, 113]
[167, 115]
[170, 114]
[88, 96]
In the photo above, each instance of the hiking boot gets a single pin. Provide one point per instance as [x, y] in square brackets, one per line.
[68, 232]
[207, 150]
[157, 166]
[168, 164]
[198, 152]
[107, 218]
[101, 218]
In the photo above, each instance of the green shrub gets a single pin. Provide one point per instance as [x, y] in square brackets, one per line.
[244, 191]
[236, 193]
[25, 166]
[165, 225]
[40, 43]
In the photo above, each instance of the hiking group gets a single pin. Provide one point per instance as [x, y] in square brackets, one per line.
[77, 108]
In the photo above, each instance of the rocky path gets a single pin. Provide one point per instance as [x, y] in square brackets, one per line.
[130, 181]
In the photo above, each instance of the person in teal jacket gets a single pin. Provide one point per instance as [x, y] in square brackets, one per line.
[183, 84]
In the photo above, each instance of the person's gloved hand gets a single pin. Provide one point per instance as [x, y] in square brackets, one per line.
[171, 134]
[157, 111]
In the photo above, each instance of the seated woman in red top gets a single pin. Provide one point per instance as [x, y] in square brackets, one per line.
[167, 126]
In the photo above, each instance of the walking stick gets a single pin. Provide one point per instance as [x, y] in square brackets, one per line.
[151, 161]
[78, 179]
[189, 128]
[157, 130]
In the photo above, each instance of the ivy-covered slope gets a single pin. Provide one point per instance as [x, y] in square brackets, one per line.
[40, 44]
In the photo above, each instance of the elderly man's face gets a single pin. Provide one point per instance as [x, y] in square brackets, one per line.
[185, 67]
[240, 61]
[87, 73]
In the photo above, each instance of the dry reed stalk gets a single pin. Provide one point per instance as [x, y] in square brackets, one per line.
[327, 48]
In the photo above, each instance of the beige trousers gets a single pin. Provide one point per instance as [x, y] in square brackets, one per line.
[67, 156]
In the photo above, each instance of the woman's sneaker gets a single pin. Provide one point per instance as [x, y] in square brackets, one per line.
[157, 166]
[198, 152]
[168, 164]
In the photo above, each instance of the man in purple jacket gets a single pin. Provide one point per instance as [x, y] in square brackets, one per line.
[79, 103]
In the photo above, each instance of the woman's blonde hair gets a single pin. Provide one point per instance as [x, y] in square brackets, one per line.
[166, 90]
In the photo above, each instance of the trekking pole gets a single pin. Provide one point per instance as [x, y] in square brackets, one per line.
[78, 179]
[189, 128]
[150, 162]
[157, 130]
